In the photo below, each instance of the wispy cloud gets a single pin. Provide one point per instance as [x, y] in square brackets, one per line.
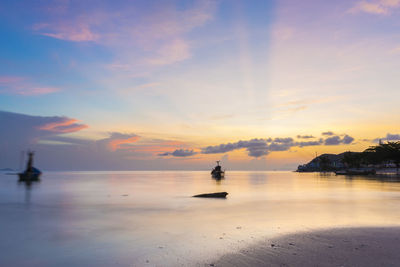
[117, 141]
[23, 86]
[37, 90]
[329, 133]
[305, 136]
[64, 125]
[288, 108]
[78, 32]
[179, 153]
[132, 145]
[395, 50]
[283, 33]
[174, 51]
[5, 80]
[155, 37]
[126, 146]
[379, 7]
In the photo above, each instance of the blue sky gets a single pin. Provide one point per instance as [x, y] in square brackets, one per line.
[186, 75]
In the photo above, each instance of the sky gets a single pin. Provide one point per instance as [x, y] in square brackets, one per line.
[177, 85]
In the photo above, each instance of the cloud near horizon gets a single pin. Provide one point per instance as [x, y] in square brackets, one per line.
[328, 133]
[261, 147]
[64, 125]
[305, 136]
[117, 141]
[336, 140]
[255, 147]
[20, 131]
[179, 153]
[25, 130]
[388, 137]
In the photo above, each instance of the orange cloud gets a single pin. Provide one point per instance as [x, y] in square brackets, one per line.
[174, 143]
[123, 142]
[117, 143]
[155, 148]
[66, 126]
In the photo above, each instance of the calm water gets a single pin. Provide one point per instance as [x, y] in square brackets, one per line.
[149, 218]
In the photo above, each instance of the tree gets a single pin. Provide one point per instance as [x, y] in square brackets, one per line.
[352, 159]
[384, 153]
[324, 162]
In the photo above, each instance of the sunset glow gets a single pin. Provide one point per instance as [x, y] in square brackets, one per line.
[261, 85]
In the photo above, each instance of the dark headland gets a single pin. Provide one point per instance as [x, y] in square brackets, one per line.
[383, 157]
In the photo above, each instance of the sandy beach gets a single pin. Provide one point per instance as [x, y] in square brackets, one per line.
[332, 247]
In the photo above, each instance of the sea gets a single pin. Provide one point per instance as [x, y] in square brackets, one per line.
[149, 218]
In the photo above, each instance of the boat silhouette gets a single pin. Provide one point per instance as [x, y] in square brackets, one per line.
[31, 173]
[217, 172]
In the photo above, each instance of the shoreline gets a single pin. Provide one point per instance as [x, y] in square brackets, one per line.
[378, 170]
[362, 246]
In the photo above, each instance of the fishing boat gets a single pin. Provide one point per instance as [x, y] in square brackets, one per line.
[31, 173]
[217, 172]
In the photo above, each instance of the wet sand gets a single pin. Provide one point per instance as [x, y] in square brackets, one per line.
[333, 247]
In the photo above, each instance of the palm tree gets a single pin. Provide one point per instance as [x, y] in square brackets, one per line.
[384, 152]
[352, 159]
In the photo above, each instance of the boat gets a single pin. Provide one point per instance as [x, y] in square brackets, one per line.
[31, 173]
[356, 172]
[217, 172]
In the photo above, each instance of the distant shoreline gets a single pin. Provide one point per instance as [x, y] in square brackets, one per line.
[382, 156]
[378, 246]
[389, 171]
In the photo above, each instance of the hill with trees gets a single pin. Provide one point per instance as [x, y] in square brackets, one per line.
[384, 155]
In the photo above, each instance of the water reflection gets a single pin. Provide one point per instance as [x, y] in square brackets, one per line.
[382, 177]
[391, 178]
[103, 216]
[27, 185]
[257, 178]
[218, 180]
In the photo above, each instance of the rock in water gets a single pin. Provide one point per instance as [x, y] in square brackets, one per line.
[213, 195]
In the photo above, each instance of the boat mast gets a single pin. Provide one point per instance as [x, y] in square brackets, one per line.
[30, 161]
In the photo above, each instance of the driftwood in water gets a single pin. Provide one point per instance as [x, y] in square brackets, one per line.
[213, 195]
